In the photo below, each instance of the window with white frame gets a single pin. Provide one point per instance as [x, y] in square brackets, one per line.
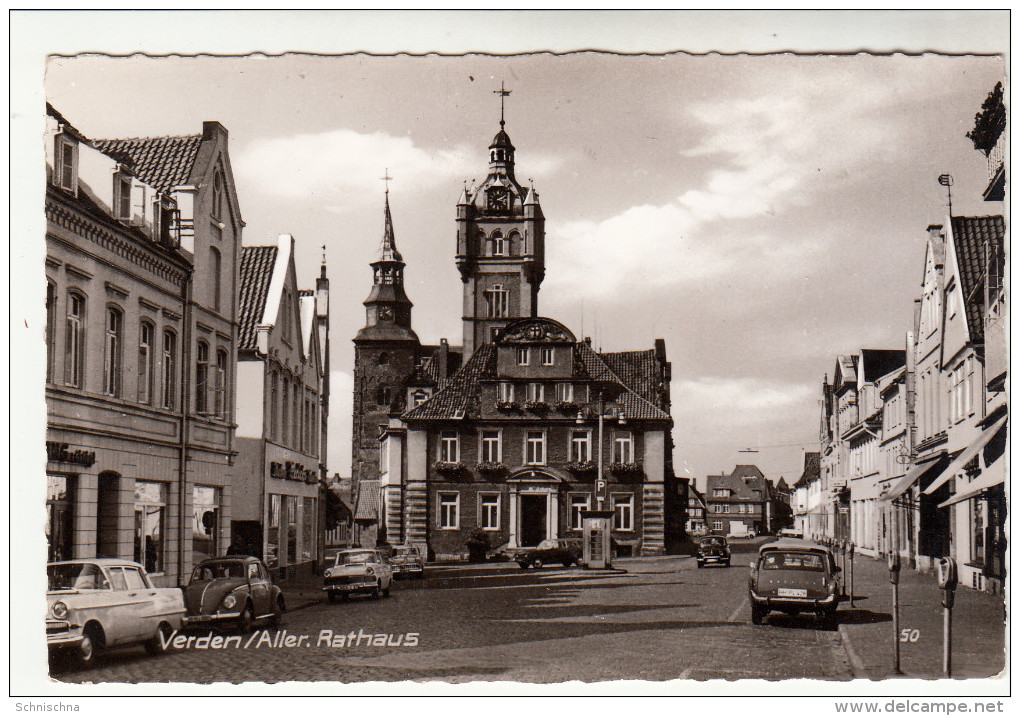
[578, 503]
[491, 448]
[449, 449]
[449, 510]
[498, 244]
[717, 525]
[122, 196]
[506, 392]
[488, 511]
[534, 448]
[202, 378]
[548, 356]
[168, 367]
[146, 332]
[523, 356]
[66, 163]
[497, 302]
[220, 401]
[720, 492]
[565, 392]
[418, 397]
[623, 512]
[74, 341]
[580, 445]
[536, 393]
[623, 447]
[114, 338]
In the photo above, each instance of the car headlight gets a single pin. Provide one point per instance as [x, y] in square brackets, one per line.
[229, 601]
[369, 570]
[59, 610]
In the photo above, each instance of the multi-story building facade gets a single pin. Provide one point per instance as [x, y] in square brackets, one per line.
[739, 503]
[280, 400]
[142, 242]
[806, 487]
[501, 436]
[697, 513]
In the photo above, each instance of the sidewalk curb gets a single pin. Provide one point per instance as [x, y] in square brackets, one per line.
[856, 665]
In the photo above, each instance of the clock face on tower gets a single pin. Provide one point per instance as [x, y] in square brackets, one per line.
[385, 313]
[497, 198]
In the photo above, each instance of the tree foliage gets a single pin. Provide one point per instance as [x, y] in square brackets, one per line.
[990, 122]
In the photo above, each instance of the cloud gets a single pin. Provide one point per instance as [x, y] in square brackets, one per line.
[708, 404]
[770, 155]
[332, 164]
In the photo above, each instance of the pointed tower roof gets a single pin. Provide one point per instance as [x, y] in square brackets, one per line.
[388, 251]
[501, 140]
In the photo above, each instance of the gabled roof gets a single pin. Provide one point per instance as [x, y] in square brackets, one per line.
[736, 484]
[256, 272]
[368, 500]
[743, 471]
[879, 362]
[162, 162]
[971, 237]
[459, 396]
[812, 469]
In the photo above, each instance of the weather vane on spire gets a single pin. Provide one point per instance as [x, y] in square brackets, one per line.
[503, 93]
[387, 178]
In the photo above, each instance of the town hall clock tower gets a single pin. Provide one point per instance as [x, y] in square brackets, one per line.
[500, 246]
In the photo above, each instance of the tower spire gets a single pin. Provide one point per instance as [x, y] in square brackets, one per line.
[503, 93]
[389, 243]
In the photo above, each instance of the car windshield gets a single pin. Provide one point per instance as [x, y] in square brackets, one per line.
[804, 561]
[76, 576]
[218, 570]
[713, 541]
[355, 558]
[405, 552]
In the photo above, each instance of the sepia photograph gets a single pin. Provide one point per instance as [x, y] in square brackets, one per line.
[593, 367]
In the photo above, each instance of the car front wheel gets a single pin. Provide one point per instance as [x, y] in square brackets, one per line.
[160, 640]
[91, 646]
[247, 619]
[537, 564]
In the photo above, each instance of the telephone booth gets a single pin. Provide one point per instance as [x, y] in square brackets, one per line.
[598, 525]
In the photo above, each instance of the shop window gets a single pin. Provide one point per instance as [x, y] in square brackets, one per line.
[150, 532]
[60, 517]
[309, 514]
[273, 531]
[205, 522]
[292, 530]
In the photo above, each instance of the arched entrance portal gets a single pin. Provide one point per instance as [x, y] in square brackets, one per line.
[534, 505]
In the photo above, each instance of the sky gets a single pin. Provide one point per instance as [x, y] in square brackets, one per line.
[759, 213]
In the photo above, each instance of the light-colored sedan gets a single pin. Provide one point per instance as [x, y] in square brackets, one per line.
[95, 604]
[357, 571]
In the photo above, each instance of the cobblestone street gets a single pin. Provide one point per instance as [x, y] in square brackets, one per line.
[660, 619]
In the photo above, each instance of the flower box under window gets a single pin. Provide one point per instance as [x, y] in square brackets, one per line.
[626, 469]
[585, 468]
[506, 405]
[449, 468]
[567, 406]
[536, 406]
[491, 468]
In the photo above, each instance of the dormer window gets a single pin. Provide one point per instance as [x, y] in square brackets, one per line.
[122, 196]
[66, 163]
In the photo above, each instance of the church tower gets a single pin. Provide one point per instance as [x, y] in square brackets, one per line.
[500, 246]
[385, 351]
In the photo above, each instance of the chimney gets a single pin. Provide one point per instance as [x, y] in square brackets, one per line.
[444, 359]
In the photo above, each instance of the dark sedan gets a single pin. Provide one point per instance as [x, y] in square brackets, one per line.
[713, 550]
[551, 551]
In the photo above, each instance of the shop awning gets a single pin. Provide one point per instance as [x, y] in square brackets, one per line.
[931, 462]
[966, 456]
[981, 483]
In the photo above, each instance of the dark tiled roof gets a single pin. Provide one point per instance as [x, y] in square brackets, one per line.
[736, 484]
[257, 263]
[972, 235]
[460, 394]
[743, 471]
[161, 162]
[368, 500]
[812, 469]
[639, 370]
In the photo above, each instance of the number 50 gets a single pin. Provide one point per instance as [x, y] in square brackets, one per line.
[911, 635]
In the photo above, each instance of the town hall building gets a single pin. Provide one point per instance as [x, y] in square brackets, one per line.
[503, 438]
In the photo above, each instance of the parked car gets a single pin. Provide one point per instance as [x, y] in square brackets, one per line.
[233, 591]
[551, 551]
[407, 559]
[794, 576]
[96, 604]
[358, 571]
[713, 549]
